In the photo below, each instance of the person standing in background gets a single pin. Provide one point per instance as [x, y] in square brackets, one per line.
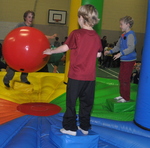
[56, 42]
[104, 44]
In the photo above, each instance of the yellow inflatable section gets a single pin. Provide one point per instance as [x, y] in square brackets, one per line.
[74, 6]
[44, 87]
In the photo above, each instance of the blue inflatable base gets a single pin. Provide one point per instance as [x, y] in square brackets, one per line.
[43, 132]
[80, 140]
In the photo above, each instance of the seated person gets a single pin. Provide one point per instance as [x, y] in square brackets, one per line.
[136, 74]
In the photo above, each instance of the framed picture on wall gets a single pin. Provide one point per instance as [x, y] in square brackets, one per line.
[57, 16]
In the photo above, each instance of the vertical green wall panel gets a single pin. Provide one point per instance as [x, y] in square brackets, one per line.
[98, 4]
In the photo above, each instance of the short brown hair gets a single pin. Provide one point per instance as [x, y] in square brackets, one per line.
[128, 20]
[26, 14]
[89, 14]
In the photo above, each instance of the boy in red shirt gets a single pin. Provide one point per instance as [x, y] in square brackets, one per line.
[85, 46]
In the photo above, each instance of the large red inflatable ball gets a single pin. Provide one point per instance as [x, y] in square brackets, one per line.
[23, 49]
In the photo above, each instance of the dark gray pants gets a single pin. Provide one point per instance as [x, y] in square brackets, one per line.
[84, 90]
[10, 74]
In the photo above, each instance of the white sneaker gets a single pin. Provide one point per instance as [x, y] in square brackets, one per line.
[118, 98]
[83, 131]
[69, 132]
[122, 100]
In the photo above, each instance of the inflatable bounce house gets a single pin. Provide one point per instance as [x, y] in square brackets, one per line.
[31, 115]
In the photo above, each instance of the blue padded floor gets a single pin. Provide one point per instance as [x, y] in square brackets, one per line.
[43, 132]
